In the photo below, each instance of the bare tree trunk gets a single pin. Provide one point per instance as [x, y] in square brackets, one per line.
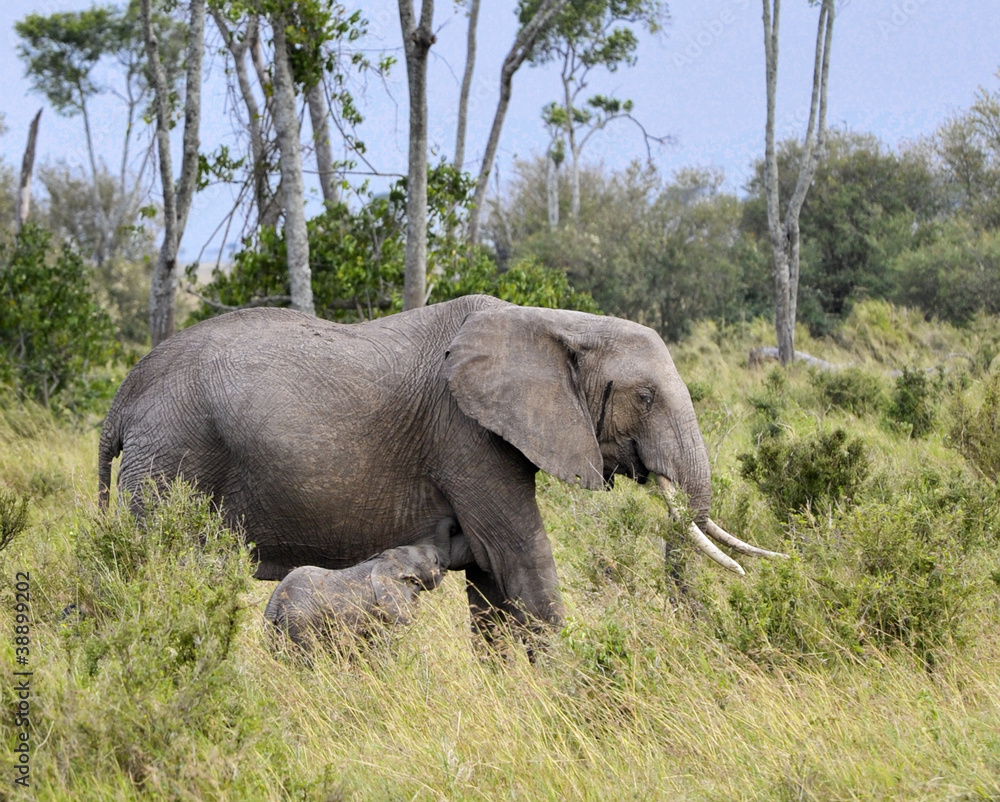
[176, 199]
[574, 149]
[27, 166]
[417, 41]
[263, 197]
[286, 123]
[519, 51]
[463, 98]
[784, 235]
[319, 111]
[552, 191]
[271, 212]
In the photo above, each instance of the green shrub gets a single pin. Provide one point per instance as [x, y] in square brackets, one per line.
[768, 616]
[159, 606]
[53, 332]
[852, 389]
[912, 403]
[13, 517]
[907, 587]
[799, 475]
[975, 431]
[770, 405]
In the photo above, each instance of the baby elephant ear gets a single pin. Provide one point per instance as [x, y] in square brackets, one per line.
[515, 371]
[394, 593]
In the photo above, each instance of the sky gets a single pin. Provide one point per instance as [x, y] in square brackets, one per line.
[898, 69]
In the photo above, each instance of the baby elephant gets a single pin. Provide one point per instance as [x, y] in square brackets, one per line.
[316, 603]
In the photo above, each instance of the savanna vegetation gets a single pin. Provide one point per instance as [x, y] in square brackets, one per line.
[863, 667]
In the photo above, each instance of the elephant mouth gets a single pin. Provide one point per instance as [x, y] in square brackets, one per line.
[628, 464]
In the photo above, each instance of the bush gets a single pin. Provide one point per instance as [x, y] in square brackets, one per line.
[851, 389]
[159, 605]
[975, 431]
[799, 475]
[881, 575]
[907, 588]
[53, 332]
[912, 404]
[13, 517]
[768, 618]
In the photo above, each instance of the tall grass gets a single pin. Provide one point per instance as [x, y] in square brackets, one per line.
[865, 667]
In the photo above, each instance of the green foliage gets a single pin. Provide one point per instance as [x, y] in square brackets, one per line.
[526, 282]
[13, 517]
[804, 474]
[852, 389]
[859, 214]
[770, 616]
[122, 258]
[912, 402]
[899, 584]
[954, 275]
[908, 589]
[160, 650]
[664, 254]
[769, 406]
[53, 333]
[63, 49]
[975, 428]
[970, 151]
[358, 259]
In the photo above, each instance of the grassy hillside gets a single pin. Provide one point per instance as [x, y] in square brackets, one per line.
[866, 666]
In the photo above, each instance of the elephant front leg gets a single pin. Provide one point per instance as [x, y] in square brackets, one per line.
[513, 582]
[497, 621]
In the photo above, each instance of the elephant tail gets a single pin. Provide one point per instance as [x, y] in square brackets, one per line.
[109, 448]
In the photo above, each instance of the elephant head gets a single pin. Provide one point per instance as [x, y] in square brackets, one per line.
[398, 575]
[586, 398]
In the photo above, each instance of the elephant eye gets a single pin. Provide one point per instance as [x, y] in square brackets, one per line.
[646, 397]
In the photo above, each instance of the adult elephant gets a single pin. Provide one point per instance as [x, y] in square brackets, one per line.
[330, 443]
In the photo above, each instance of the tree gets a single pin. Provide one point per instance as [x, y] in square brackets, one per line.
[531, 28]
[176, 198]
[586, 34]
[417, 41]
[286, 123]
[62, 53]
[663, 253]
[866, 205]
[969, 147]
[463, 98]
[52, 330]
[122, 280]
[27, 167]
[258, 115]
[784, 234]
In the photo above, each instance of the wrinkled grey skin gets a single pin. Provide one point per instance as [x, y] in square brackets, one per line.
[330, 443]
[316, 604]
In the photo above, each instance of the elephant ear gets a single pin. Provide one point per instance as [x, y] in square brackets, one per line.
[394, 593]
[514, 370]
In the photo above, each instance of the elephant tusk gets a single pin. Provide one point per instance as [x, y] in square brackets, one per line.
[706, 546]
[718, 533]
[702, 543]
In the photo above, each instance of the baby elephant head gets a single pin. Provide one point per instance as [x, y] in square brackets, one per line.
[399, 574]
